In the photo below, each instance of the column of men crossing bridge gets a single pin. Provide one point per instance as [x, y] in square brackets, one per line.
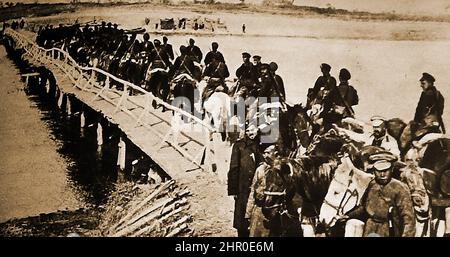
[397, 174]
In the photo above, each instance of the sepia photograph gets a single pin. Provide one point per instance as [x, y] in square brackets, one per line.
[224, 118]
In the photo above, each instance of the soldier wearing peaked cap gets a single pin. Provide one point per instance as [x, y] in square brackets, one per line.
[428, 115]
[380, 137]
[247, 77]
[386, 206]
[430, 108]
[245, 158]
[324, 84]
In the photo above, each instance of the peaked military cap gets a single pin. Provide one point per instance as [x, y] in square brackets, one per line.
[257, 57]
[325, 66]
[427, 77]
[382, 160]
[377, 120]
[246, 55]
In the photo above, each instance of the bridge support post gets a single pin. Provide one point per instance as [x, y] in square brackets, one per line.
[60, 100]
[82, 120]
[99, 134]
[69, 106]
[121, 155]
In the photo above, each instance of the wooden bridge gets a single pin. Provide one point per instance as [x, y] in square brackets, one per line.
[187, 152]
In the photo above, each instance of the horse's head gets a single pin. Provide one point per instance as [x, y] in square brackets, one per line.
[413, 177]
[345, 191]
[300, 122]
[395, 127]
[327, 145]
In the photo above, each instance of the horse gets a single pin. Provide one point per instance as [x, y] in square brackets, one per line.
[350, 182]
[183, 90]
[434, 159]
[157, 82]
[313, 173]
[344, 193]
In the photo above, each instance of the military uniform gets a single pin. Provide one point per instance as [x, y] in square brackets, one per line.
[265, 218]
[387, 142]
[195, 53]
[209, 56]
[375, 204]
[245, 157]
[430, 107]
[247, 76]
[217, 72]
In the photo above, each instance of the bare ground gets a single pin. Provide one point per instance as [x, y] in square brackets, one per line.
[33, 175]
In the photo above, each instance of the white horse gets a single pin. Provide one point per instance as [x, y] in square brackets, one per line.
[217, 109]
[344, 193]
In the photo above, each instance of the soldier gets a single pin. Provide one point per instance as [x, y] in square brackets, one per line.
[326, 82]
[247, 77]
[147, 45]
[194, 51]
[245, 157]
[348, 93]
[278, 82]
[168, 48]
[209, 55]
[379, 137]
[257, 65]
[159, 57]
[386, 204]
[430, 108]
[267, 83]
[215, 74]
[183, 64]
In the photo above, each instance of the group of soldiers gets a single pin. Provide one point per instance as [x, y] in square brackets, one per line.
[387, 204]
[328, 104]
[122, 54]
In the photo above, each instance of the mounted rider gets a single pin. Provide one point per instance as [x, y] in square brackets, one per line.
[194, 51]
[183, 64]
[159, 57]
[323, 85]
[278, 81]
[214, 52]
[428, 115]
[247, 78]
[196, 55]
[215, 74]
[168, 47]
[379, 137]
[348, 94]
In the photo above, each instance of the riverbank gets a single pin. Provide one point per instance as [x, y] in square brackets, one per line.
[32, 173]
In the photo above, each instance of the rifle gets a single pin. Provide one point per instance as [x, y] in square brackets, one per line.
[346, 105]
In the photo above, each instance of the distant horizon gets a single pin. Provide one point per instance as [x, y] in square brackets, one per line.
[411, 7]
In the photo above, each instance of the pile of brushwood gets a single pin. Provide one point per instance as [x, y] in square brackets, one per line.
[147, 210]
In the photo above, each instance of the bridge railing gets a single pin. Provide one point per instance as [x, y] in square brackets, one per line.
[84, 78]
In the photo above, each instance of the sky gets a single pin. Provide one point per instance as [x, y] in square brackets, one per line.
[417, 7]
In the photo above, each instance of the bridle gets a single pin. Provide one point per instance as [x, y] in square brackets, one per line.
[344, 201]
